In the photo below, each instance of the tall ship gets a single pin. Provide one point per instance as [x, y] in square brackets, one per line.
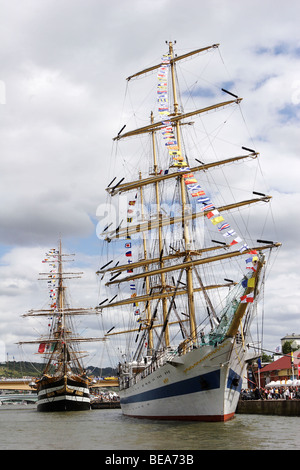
[64, 385]
[188, 260]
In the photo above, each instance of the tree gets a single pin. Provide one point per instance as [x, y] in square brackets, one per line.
[288, 348]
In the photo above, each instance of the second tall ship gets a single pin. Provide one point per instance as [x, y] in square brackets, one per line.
[194, 274]
[64, 385]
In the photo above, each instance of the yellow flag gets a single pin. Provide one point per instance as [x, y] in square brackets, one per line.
[217, 220]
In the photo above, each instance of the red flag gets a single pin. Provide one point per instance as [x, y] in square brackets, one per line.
[41, 348]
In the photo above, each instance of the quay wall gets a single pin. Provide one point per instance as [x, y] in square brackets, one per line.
[269, 407]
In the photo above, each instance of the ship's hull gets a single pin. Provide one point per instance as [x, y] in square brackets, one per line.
[63, 394]
[202, 385]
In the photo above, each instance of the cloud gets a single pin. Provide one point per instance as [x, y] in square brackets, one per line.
[64, 66]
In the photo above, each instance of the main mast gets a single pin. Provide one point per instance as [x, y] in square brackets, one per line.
[186, 236]
[160, 241]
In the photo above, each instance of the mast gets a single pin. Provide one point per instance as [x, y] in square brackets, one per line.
[147, 285]
[160, 241]
[186, 236]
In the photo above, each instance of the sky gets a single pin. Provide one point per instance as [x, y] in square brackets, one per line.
[62, 82]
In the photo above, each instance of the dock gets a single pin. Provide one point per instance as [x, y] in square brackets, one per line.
[279, 407]
[104, 405]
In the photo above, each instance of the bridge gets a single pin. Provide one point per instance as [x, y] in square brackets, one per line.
[16, 384]
[24, 384]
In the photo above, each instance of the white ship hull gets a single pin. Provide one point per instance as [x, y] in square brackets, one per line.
[202, 385]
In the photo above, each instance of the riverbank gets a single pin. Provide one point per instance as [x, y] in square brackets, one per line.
[278, 407]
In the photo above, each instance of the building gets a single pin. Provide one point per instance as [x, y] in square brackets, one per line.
[285, 368]
[293, 339]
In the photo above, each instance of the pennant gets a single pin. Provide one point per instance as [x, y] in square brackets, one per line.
[207, 207]
[190, 181]
[230, 233]
[244, 247]
[223, 226]
[236, 240]
[247, 298]
[217, 220]
[211, 214]
[198, 193]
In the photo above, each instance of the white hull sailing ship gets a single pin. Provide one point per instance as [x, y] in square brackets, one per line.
[179, 367]
[64, 385]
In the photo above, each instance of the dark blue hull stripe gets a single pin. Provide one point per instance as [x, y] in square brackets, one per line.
[201, 383]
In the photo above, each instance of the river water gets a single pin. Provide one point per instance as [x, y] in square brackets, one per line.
[23, 428]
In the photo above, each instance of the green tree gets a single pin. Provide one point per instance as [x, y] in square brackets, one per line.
[288, 348]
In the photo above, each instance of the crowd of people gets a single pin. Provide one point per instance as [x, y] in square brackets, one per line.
[271, 393]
